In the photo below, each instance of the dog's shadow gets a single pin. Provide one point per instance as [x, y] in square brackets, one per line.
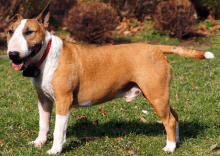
[113, 129]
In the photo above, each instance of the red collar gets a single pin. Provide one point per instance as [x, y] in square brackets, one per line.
[45, 54]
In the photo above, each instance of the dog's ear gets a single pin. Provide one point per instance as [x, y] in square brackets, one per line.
[43, 17]
[15, 18]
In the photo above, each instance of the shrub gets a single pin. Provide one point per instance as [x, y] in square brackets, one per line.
[133, 8]
[91, 22]
[175, 17]
[4, 11]
[27, 8]
[208, 6]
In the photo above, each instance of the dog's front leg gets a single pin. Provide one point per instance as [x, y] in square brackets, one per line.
[59, 133]
[63, 106]
[45, 107]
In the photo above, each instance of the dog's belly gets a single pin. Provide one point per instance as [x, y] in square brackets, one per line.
[129, 91]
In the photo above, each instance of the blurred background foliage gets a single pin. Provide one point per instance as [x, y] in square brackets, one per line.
[92, 20]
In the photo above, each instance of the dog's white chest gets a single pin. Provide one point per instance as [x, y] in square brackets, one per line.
[43, 83]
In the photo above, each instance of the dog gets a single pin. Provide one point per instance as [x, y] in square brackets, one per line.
[75, 76]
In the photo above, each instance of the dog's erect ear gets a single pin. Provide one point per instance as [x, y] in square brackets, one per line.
[15, 18]
[43, 18]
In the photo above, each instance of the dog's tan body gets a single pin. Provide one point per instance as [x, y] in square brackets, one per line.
[76, 76]
[101, 74]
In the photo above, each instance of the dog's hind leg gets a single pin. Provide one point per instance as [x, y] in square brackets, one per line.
[45, 108]
[167, 115]
[156, 90]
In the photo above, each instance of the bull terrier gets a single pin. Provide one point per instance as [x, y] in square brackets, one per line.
[75, 76]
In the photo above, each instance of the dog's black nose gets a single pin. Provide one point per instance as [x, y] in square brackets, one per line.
[14, 55]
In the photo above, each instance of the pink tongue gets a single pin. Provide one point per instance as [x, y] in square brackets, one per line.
[17, 67]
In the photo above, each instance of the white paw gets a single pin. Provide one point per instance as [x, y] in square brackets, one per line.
[39, 142]
[56, 148]
[170, 147]
[53, 151]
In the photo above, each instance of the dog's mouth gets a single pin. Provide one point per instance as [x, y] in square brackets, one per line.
[18, 64]
[21, 64]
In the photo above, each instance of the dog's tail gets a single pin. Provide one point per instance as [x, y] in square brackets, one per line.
[190, 53]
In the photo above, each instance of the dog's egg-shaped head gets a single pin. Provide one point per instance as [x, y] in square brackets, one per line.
[25, 37]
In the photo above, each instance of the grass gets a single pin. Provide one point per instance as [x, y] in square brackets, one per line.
[194, 94]
[149, 35]
[208, 24]
[2, 53]
[54, 22]
[59, 31]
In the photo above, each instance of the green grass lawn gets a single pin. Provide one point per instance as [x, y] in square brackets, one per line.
[194, 94]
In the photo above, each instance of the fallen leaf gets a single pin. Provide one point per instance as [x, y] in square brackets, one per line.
[118, 139]
[188, 102]
[103, 111]
[90, 138]
[184, 4]
[194, 86]
[96, 122]
[142, 119]
[213, 147]
[81, 117]
[14, 102]
[75, 108]
[130, 152]
[181, 78]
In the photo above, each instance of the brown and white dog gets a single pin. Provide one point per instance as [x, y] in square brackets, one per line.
[76, 76]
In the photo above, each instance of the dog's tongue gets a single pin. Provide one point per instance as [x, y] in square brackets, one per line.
[17, 67]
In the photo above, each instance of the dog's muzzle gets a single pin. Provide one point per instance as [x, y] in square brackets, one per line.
[17, 61]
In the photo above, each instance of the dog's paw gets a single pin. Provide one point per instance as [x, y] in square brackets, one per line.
[38, 142]
[54, 151]
[170, 147]
[56, 148]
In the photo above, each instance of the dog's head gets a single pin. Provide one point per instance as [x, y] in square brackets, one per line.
[25, 38]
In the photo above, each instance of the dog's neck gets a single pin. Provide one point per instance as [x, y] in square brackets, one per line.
[33, 70]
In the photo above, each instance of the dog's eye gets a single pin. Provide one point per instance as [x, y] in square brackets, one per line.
[29, 32]
[11, 32]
